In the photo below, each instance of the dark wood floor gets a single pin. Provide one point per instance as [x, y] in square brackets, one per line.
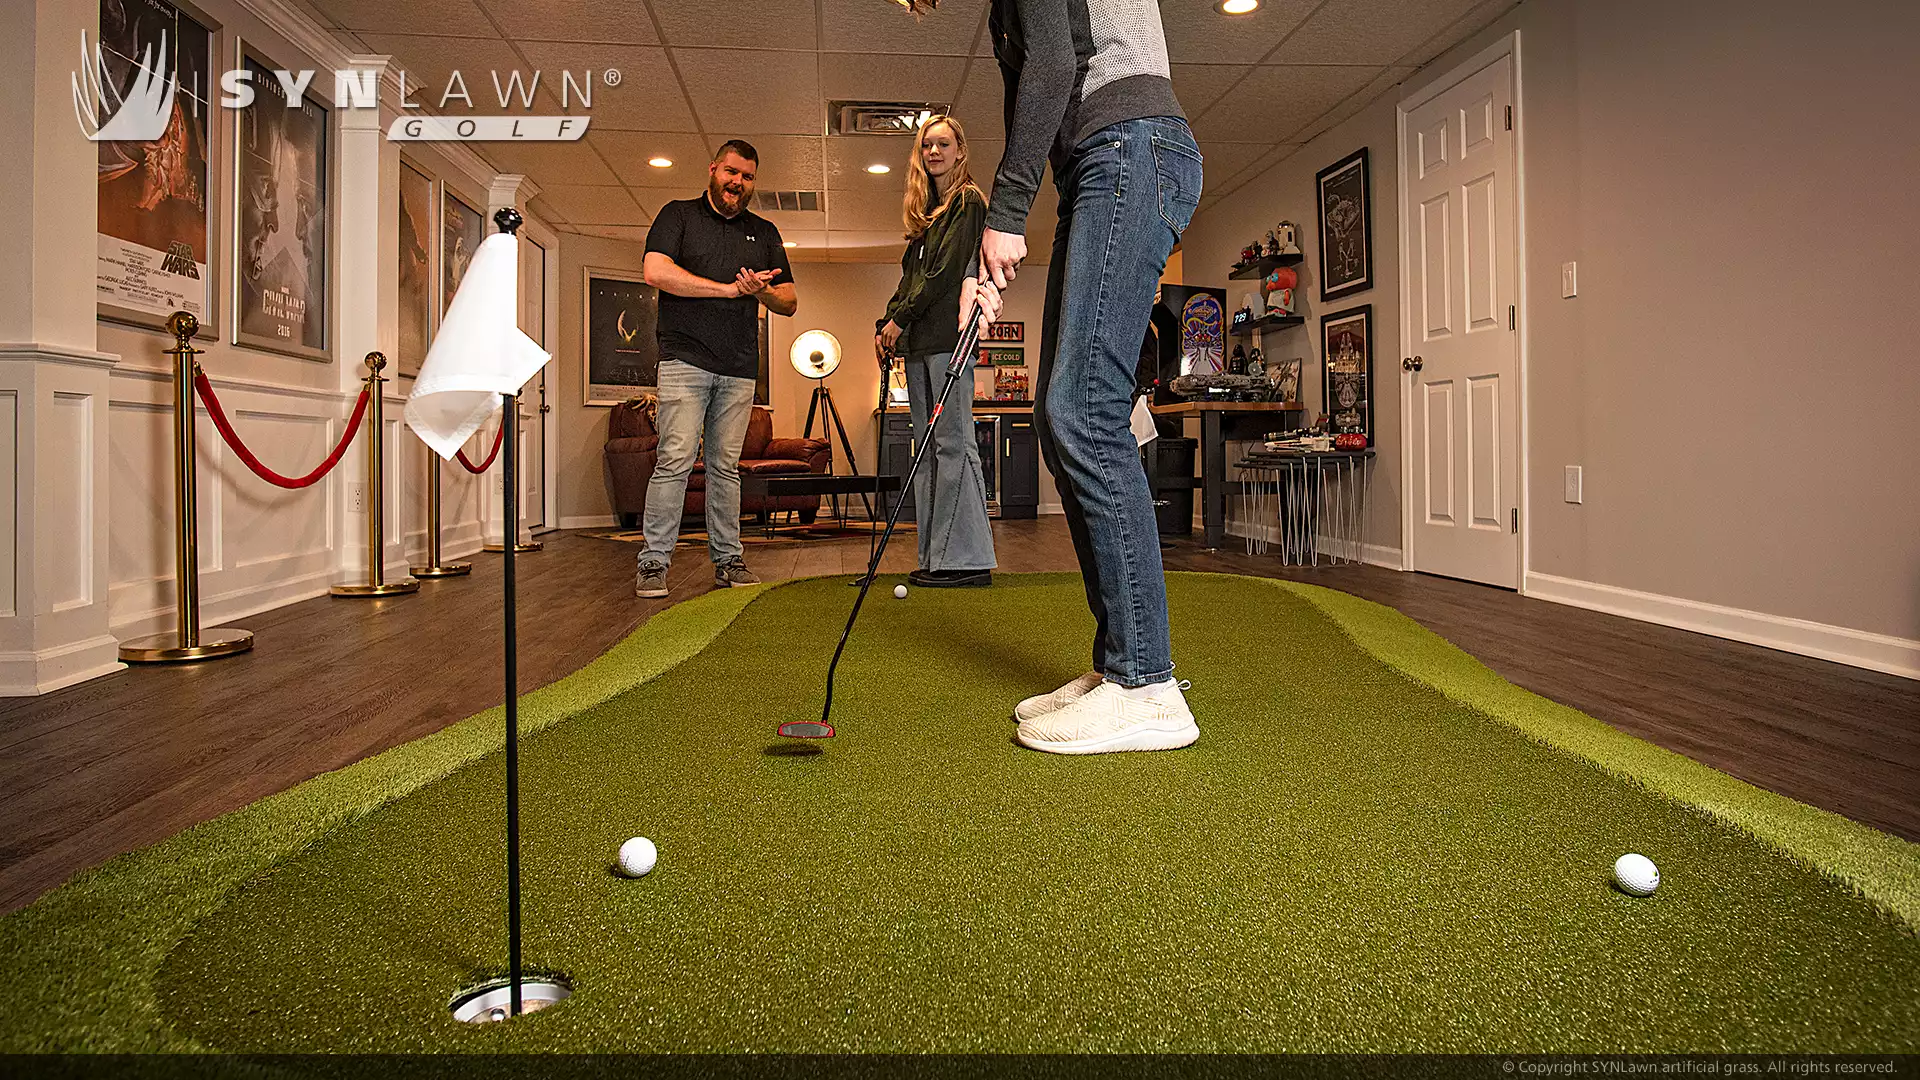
[122, 762]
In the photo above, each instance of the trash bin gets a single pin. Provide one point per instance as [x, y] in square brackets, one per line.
[1172, 459]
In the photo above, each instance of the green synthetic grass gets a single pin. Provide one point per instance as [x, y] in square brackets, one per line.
[1377, 845]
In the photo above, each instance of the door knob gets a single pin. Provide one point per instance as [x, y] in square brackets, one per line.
[1411, 363]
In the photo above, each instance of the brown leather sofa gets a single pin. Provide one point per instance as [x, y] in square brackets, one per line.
[633, 443]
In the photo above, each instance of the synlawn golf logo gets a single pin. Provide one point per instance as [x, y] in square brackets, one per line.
[142, 111]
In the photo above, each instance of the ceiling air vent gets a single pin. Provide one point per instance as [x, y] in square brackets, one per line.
[791, 200]
[879, 117]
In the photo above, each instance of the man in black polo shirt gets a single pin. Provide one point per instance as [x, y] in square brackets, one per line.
[715, 263]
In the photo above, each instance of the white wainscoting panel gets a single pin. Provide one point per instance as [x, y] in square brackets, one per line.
[64, 573]
[9, 523]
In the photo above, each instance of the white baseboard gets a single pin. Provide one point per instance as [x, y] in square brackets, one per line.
[1371, 554]
[1856, 648]
[589, 521]
[26, 674]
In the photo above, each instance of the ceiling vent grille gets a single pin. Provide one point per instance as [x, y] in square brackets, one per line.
[879, 117]
[791, 200]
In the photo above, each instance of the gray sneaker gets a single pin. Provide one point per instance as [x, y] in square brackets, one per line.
[651, 582]
[733, 572]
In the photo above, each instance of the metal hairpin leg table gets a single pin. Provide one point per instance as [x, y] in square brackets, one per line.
[783, 485]
[1313, 496]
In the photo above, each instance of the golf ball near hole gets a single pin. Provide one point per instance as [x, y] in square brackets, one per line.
[899, 592]
[637, 856]
[1636, 875]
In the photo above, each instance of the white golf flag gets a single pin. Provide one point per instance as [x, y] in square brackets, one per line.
[1144, 429]
[479, 353]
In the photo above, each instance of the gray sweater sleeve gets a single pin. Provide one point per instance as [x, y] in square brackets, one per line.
[1034, 116]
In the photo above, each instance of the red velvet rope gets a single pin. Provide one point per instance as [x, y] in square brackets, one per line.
[491, 454]
[220, 421]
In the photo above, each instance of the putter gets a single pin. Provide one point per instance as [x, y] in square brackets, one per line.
[961, 362]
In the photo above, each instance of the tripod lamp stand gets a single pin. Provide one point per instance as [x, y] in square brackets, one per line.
[816, 355]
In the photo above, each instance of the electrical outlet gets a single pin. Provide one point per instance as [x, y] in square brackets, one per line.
[1569, 279]
[1574, 494]
[356, 497]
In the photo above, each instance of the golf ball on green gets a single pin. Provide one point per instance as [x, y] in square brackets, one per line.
[637, 856]
[899, 592]
[1636, 875]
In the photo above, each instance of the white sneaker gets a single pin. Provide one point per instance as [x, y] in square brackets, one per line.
[1108, 719]
[1035, 707]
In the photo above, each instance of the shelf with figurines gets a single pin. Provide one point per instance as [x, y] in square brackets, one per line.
[1269, 309]
[1280, 249]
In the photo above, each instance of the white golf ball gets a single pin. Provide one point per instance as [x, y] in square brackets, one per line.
[1636, 875]
[637, 856]
[899, 592]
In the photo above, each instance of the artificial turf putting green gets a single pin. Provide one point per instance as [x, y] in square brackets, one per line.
[1369, 849]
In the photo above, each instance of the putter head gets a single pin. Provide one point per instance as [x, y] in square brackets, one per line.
[806, 729]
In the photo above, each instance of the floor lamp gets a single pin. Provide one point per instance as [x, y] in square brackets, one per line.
[816, 355]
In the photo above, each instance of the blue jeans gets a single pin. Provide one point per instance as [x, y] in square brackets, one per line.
[1126, 195]
[692, 400]
[950, 492]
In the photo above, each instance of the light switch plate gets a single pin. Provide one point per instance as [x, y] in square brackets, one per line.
[1574, 484]
[1569, 279]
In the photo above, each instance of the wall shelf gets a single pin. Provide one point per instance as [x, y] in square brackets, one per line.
[1268, 322]
[1262, 266]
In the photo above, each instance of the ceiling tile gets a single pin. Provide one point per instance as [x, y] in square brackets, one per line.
[865, 246]
[742, 90]
[651, 199]
[809, 245]
[550, 162]
[1197, 33]
[787, 162]
[1368, 31]
[429, 64]
[545, 211]
[866, 211]
[634, 233]
[882, 77]
[739, 23]
[1367, 95]
[648, 97]
[628, 152]
[569, 20]
[583, 204]
[1230, 184]
[867, 26]
[849, 155]
[1198, 86]
[1479, 18]
[1224, 159]
[437, 17]
[978, 104]
[1274, 103]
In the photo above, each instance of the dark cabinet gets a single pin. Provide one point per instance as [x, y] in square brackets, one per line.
[1009, 455]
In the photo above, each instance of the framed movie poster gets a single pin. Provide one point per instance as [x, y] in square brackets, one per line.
[154, 231]
[281, 213]
[622, 354]
[1346, 226]
[416, 268]
[1346, 349]
[461, 230]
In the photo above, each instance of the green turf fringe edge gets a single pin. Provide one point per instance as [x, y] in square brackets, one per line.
[1883, 869]
[79, 963]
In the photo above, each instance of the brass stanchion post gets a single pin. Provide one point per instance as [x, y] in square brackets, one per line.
[376, 585]
[509, 506]
[434, 567]
[187, 641]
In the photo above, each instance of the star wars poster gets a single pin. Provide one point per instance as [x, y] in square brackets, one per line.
[1346, 343]
[152, 232]
[416, 267]
[460, 229]
[280, 235]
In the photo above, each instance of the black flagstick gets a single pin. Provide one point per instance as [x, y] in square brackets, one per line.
[509, 220]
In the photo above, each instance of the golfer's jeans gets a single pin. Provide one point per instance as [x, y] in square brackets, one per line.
[950, 492]
[692, 400]
[1126, 195]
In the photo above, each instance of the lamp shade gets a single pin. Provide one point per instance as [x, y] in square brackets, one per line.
[815, 354]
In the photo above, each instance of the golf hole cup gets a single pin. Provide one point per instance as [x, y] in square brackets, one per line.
[637, 856]
[1636, 875]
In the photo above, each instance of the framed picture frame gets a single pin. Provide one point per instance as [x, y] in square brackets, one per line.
[1344, 197]
[1346, 352]
[155, 222]
[282, 217]
[418, 229]
[1005, 331]
[461, 230]
[992, 357]
[622, 355]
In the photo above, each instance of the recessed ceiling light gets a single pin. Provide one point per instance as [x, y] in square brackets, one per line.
[660, 162]
[877, 169]
[789, 243]
[1238, 7]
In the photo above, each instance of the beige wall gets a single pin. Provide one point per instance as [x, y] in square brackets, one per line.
[583, 429]
[1737, 375]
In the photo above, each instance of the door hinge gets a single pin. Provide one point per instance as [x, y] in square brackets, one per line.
[1516, 520]
[1512, 314]
[1509, 118]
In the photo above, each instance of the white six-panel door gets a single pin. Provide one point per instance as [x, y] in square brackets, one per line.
[1461, 353]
